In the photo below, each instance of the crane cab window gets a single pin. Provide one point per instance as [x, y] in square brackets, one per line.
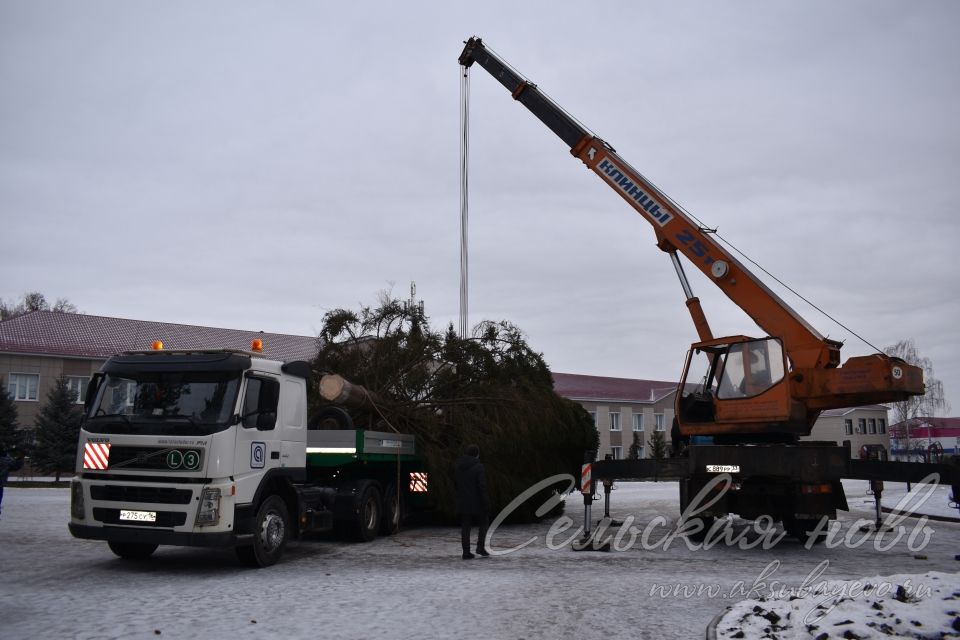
[750, 368]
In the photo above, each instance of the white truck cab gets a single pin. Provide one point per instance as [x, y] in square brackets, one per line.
[213, 448]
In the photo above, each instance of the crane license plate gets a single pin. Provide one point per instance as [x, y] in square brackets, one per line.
[138, 516]
[723, 468]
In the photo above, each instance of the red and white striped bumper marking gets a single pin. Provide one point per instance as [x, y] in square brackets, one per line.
[418, 482]
[96, 455]
[585, 481]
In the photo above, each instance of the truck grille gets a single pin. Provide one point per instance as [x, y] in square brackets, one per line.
[164, 518]
[152, 495]
[158, 458]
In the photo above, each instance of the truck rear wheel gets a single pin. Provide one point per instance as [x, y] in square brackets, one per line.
[132, 550]
[365, 524]
[699, 534]
[392, 511]
[270, 534]
[802, 529]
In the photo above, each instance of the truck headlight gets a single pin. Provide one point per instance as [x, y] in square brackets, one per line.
[209, 512]
[76, 499]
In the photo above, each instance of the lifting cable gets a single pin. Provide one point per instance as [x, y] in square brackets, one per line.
[464, 184]
[706, 229]
[399, 477]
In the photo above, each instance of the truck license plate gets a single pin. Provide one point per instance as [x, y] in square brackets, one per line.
[138, 516]
[723, 468]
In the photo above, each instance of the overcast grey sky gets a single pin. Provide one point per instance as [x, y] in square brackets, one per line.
[254, 164]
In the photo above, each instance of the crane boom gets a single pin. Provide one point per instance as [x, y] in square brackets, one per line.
[675, 231]
[770, 398]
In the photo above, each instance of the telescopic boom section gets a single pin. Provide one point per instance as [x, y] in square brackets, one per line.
[675, 231]
[816, 381]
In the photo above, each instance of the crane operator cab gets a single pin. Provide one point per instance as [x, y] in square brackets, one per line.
[738, 385]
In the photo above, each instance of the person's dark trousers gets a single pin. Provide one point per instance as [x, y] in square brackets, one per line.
[466, 522]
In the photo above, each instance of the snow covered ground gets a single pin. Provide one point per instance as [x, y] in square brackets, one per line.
[899, 606]
[414, 585]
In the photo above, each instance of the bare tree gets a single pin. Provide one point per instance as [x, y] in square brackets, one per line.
[34, 301]
[908, 411]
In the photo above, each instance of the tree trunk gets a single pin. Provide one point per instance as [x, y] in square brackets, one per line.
[337, 389]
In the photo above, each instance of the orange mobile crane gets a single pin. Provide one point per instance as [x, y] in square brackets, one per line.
[737, 390]
[768, 386]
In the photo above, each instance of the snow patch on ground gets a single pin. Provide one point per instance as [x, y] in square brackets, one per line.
[899, 606]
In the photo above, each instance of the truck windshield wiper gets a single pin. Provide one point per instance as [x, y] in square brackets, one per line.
[191, 419]
[122, 416]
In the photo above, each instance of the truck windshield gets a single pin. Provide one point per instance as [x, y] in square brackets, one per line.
[181, 403]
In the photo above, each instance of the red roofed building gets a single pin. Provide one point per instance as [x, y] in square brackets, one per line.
[622, 408]
[38, 347]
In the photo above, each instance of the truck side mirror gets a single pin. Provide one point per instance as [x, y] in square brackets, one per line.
[266, 420]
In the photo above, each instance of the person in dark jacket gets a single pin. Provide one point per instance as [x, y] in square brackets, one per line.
[473, 501]
[7, 464]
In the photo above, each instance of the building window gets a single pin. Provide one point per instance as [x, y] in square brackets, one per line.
[873, 426]
[23, 386]
[848, 427]
[883, 425]
[640, 453]
[658, 421]
[614, 421]
[78, 386]
[638, 422]
[593, 416]
[617, 452]
[861, 425]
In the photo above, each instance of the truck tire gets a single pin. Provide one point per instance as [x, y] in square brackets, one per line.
[132, 550]
[392, 511]
[705, 521]
[271, 531]
[802, 529]
[331, 418]
[701, 534]
[365, 524]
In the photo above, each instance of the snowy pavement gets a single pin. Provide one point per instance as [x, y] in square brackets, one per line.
[413, 585]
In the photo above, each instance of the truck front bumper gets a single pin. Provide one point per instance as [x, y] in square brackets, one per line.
[146, 536]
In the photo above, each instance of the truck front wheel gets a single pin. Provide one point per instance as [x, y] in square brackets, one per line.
[269, 536]
[132, 550]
